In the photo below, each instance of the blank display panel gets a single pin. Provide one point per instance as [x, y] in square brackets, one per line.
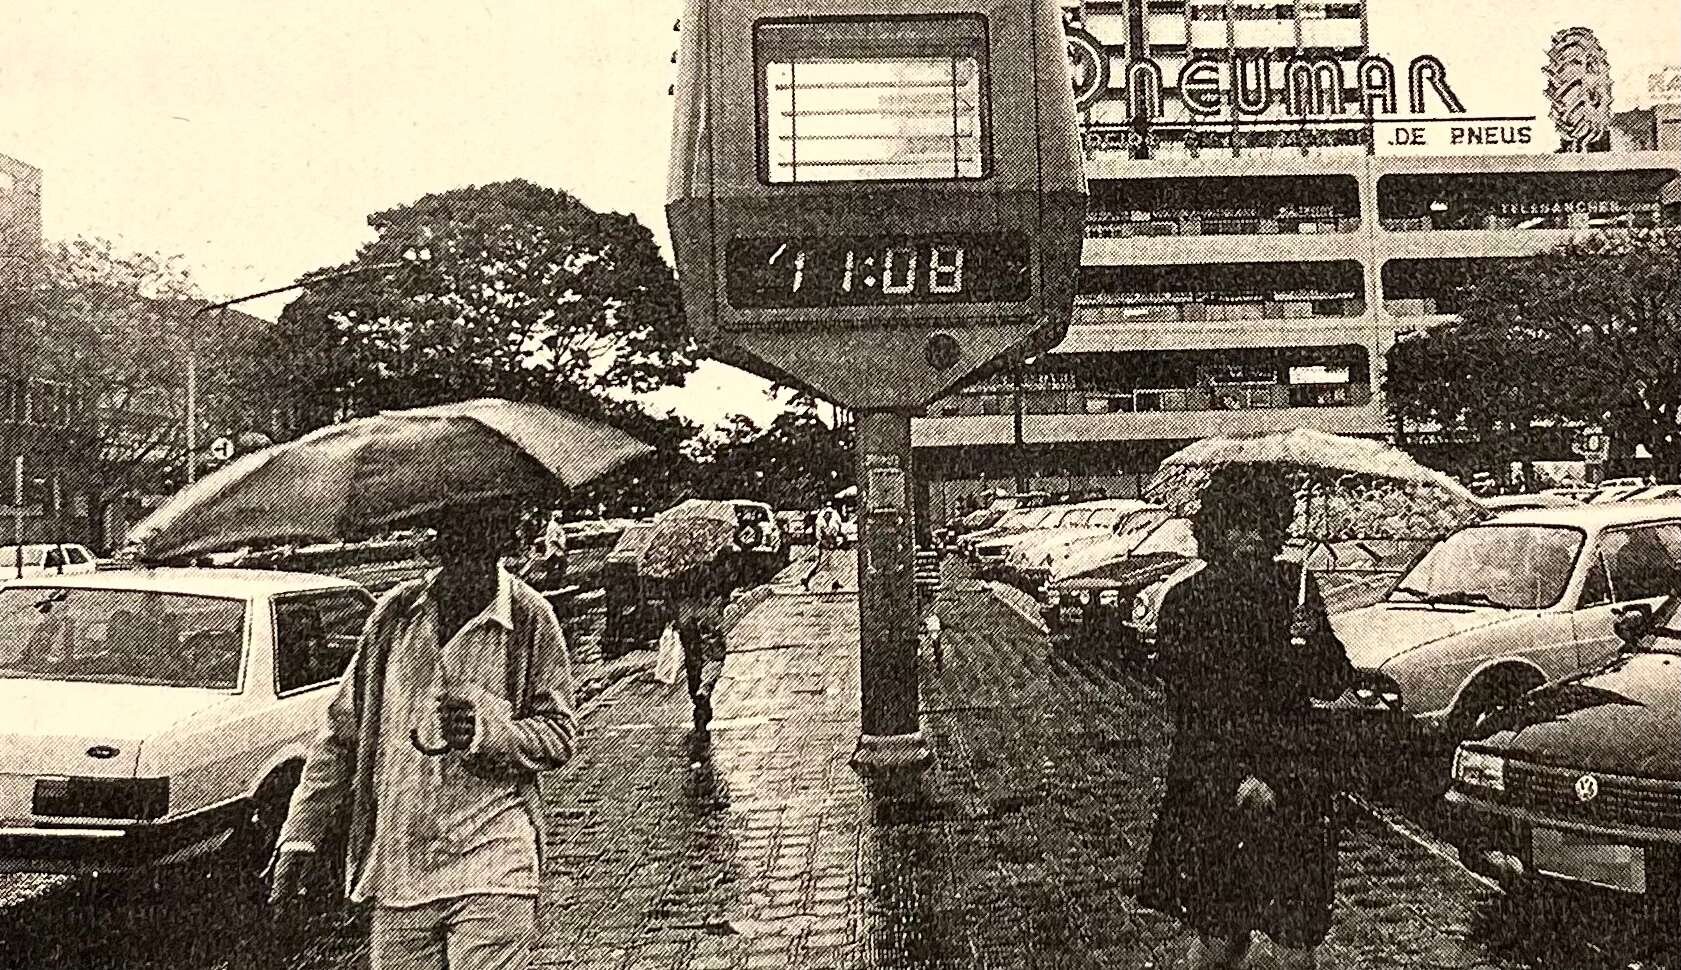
[840, 105]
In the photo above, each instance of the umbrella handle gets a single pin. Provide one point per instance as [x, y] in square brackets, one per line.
[423, 747]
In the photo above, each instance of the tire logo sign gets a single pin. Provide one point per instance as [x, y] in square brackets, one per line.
[1088, 67]
[1587, 788]
[1579, 87]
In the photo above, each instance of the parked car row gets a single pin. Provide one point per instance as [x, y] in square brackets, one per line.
[1531, 662]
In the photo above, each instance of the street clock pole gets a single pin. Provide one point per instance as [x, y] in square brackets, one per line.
[876, 201]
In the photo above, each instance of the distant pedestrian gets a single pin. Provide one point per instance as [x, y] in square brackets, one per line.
[829, 537]
[704, 606]
[444, 834]
[1244, 841]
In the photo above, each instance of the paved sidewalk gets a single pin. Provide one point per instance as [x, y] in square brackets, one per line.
[760, 849]
[740, 852]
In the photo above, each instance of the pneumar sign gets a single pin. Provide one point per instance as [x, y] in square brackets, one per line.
[1256, 97]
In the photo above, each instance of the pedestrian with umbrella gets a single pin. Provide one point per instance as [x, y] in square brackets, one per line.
[1244, 841]
[691, 553]
[460, 691]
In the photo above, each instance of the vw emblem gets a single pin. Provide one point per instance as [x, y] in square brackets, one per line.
[1587, 788]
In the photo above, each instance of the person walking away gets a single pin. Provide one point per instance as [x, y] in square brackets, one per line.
[829, 538]
[459, 694]
[697, 601]
[705, 605]
[1244, 840]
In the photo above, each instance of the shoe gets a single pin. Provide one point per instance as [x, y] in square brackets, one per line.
[703, 712]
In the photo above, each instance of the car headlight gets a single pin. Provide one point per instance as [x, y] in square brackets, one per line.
[1053, 597]
[1378, 693]
[1479, 769]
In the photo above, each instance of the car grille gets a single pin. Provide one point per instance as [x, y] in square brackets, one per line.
[1621, 798]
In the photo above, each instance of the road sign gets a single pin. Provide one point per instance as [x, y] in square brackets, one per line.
[876, 206]
[221, 449]
[1594, 446]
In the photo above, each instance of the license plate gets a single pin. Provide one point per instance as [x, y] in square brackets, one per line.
[1586, 858]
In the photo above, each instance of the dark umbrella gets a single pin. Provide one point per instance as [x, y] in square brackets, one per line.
[688, 537]
[348, 479]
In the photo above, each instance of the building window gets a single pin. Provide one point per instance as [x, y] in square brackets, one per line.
[1427, 287]
[1223, 292]
[1262, 206]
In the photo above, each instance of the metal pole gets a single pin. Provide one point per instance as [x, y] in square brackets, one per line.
[1019, 454]
[891, 742]
[17, 514]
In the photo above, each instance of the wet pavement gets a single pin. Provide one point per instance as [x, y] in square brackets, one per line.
[759, 848]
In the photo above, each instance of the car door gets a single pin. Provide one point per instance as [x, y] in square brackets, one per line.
[314, 635]
[300, 644]
[1638, 564]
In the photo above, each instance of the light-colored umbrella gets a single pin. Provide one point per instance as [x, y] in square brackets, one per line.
[690, 535]
[347, 479]
[1347, 488]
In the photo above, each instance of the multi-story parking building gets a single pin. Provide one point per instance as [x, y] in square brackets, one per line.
[1259, 286]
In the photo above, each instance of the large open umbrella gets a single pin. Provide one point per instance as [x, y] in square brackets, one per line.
[348, 479]
[1347, 488]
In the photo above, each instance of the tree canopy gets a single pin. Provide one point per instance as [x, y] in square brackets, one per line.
[1584, 335]
[511, 290]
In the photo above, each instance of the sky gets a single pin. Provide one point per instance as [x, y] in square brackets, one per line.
[254, 137]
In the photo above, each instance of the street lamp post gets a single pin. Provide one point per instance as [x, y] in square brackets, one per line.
[410, 257]
[1020, 452]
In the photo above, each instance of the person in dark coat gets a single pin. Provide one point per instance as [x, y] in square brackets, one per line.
[1244, 841]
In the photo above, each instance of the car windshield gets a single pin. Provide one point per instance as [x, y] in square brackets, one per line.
[1521, 567]
[120, 636]
[1030, 519]
[1076, 518]
[1105, 518]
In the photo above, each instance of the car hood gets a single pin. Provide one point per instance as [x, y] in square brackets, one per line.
[1377, 634]
[1054, 543]
[1623, 720]
[47, 726]
[1005, 541]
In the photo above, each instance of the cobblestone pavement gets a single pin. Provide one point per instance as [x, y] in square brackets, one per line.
[760, 848]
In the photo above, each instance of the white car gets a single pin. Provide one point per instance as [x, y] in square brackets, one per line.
[1505, 605]
[154, 715]
[46, 559]
[757, 530]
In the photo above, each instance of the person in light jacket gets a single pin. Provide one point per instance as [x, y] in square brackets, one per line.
[460, 693]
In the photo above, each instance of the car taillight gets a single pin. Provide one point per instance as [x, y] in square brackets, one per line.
[127, 798]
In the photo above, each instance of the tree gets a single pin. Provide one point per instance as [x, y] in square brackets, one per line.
[1583, 335]
[511, 290]
[115, 329]
[797, 462]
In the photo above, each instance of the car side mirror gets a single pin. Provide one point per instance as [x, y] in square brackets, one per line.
[1632, 622]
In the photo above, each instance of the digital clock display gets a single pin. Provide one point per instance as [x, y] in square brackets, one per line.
[777, 273]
